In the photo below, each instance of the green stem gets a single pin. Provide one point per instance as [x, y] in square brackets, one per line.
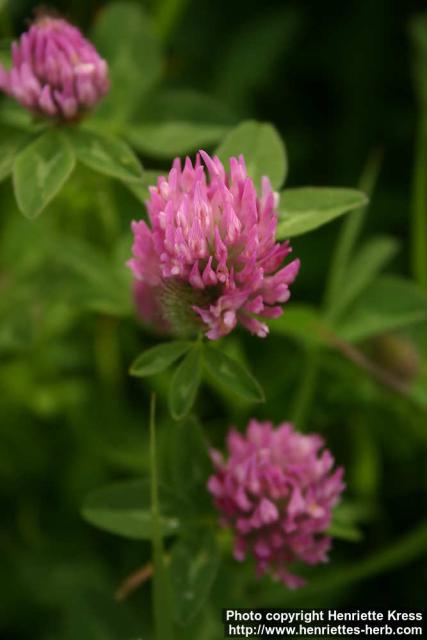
[419, 207]
[153, 467]
[161, 588]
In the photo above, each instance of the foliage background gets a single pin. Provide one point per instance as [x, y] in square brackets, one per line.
[336, 80]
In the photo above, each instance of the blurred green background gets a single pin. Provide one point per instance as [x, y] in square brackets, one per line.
[337, 81]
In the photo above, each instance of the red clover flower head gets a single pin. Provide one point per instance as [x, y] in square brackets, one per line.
[55, 71]
[208, 257]
[276, 490]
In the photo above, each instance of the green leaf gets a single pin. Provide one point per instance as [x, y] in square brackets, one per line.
[259, 45]
[193, 569]
[41, 170]
[232, 375]
[159, 358]
[174, 138]
[185, 383]
[349, 233]
[263, 149]
[12, 114]
[185, 105]
[302, 322]
[306, 208]
[175, 122]
[140, 188]
[364, 474]
[367, 263]
[98, 283]
[167, 16]
[124, 509]
[124, 35]
[106, 154]
[344, 532]
[10, 143]
[390, 303]
[189, 461]
[343, 523]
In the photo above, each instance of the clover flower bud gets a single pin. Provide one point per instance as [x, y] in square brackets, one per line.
[56, 72]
